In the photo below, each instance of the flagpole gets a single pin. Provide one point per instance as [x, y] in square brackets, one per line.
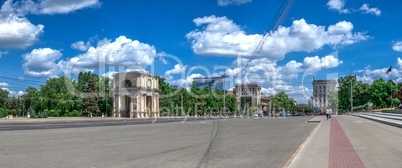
[391, 87]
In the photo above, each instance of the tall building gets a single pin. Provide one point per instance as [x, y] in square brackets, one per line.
[215, 83]
[321, 89]
[247, 96]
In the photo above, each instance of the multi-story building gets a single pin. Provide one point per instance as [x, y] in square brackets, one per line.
[248, 96]
[321, 89]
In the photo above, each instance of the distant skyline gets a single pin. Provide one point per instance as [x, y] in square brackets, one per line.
[180, 40]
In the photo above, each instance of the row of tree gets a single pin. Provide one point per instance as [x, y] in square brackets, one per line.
[90, 95]
[379, 93]
[282, 102]
[62, 96]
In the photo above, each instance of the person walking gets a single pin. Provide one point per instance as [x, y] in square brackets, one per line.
[327, 113]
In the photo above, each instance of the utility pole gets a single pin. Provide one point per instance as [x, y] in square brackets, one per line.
[351, 96]
[224, 94]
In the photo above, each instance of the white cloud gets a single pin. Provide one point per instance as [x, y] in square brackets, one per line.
[80, 45]
[399, 63]
[109, 74]
[337, 5]
[178, 68]
[186, 82]
[315, 63]
[368, 75]
[232, 2]
[397, 46]
[25, 7]
[222, 37]
[121, 52]
[3, 84]
[367, 10]
[3, 53]
[20, 93]
[41, 63]
[18, 32]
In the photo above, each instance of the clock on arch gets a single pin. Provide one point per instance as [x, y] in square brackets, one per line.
[149, 83]
[127, 83]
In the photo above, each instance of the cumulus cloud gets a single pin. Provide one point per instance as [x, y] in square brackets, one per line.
[368, 74]
[337, 5]
[3, 84]
[222, 37]
[20, 93]
[42, 63]
[367, 10]
[25, 7]
[178, 68]
[397, 46]
[315, 63]
[18, 32]
[232, 2]
[80, 45]
[122, 52]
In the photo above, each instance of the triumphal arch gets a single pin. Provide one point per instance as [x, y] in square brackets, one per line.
[135, 95]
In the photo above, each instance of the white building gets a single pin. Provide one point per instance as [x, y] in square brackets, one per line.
[321, 89]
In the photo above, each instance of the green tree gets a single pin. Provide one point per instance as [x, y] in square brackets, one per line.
[379, 93]
[281, 101]
[3, 97]
[90, 93]
[105, 97]
[333, 99]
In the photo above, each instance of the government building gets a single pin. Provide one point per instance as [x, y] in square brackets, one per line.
[135, 95]
[321, 89]
[248, 96]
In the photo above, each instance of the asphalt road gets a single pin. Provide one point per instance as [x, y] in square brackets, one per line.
[31, 124]
[255, 142]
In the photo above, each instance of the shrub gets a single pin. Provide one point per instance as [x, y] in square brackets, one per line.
[54, 113]
[31, 112]
[3, 112]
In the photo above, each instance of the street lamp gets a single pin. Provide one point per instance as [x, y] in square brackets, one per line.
[224, 93]
[352, 77]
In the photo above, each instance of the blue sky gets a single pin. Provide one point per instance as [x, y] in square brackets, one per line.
[180, 40]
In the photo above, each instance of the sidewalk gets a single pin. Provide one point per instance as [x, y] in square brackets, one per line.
[349, 141]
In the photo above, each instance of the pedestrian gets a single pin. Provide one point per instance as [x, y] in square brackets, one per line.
[327, 113]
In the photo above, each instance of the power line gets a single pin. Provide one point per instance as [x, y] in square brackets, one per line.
[275, 22]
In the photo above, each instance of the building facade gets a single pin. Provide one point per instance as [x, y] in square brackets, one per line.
[321, 89]
[248, 96]
[136, 95]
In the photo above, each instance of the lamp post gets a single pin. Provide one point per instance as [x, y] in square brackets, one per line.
[352, 77]
[224, 94]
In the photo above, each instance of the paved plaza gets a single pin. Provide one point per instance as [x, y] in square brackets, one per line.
[308, 141]
[254, 142]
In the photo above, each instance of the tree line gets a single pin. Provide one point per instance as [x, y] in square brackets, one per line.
[379, 93]
[62, 97]
[90, 95]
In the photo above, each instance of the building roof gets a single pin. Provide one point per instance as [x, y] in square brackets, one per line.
[325, 81]
[247, 85]
[129, 73]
